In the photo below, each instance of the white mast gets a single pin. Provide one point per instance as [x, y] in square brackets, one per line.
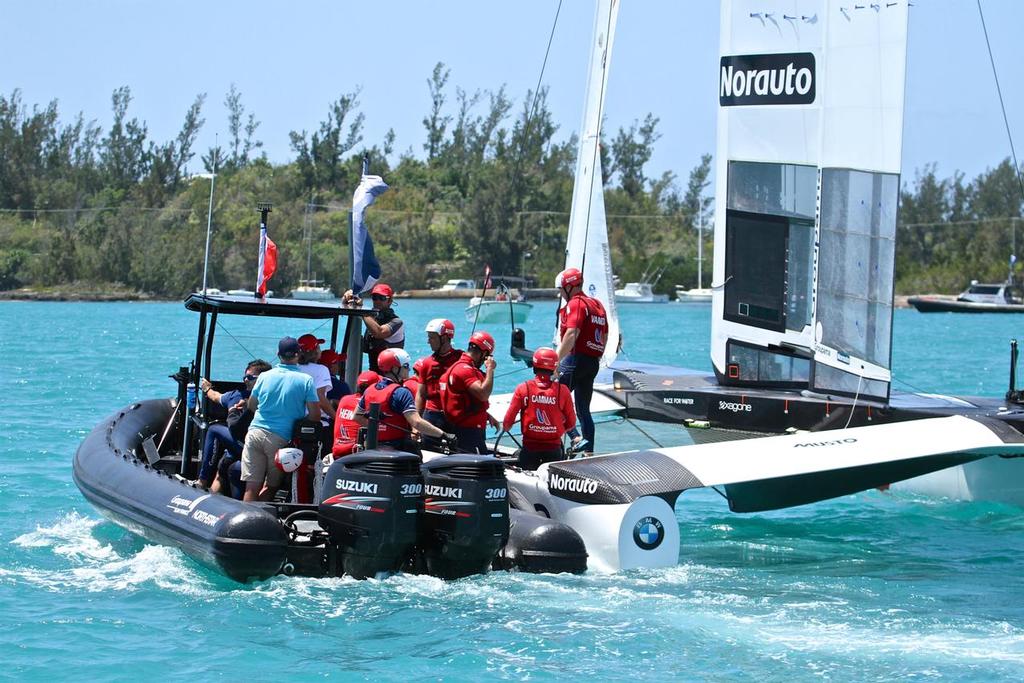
[587, 241]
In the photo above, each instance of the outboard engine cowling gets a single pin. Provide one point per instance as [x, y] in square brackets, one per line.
[465, 520]
[370, 508]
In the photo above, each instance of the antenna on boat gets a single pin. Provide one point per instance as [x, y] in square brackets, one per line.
[209, 215]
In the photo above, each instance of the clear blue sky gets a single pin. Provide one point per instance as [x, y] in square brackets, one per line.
[289, 60]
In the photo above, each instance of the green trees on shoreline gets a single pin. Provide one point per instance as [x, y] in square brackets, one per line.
[492, 185]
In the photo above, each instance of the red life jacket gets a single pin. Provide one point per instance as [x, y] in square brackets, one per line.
[413, 385]
[434, 367]
[543, 419]
[346, 429]
[460, 407]
[392, 426]
[592, 325]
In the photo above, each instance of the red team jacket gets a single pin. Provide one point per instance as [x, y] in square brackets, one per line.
[547, 413]
[587, 315]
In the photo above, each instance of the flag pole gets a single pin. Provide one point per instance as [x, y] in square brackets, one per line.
[264, 208]
[353, 331]
[209, 220]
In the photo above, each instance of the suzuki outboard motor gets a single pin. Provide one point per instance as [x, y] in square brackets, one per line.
[370, 508]
[465, 521]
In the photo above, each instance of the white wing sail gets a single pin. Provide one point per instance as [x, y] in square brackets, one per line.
[587, 242]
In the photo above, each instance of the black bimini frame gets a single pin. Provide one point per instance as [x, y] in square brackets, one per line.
[210, 306]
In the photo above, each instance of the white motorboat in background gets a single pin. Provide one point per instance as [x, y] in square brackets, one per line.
[502, 308]
[312, 290]
[696, 295]
[639, 293]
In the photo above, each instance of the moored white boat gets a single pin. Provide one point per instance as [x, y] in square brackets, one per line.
[695, 295]
[312, 290]
[639, 293]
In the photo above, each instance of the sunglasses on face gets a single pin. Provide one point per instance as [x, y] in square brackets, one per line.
[378, 297]
[250, 378]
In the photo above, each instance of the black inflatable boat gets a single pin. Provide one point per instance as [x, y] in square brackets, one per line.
[377, 511]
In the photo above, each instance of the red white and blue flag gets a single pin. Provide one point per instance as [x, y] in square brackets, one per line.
[268, 261]
[365, 267]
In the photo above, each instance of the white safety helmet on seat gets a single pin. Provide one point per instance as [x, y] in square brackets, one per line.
[288, 459]
[442, 326]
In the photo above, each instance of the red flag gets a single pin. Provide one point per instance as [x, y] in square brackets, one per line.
[268, 262]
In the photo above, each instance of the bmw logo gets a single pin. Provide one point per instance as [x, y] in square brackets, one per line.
[648, 533]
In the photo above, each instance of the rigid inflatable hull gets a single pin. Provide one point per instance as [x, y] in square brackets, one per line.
[242, 540]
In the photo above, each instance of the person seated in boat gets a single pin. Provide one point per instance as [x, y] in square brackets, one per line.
[545, 412]
[398, 416]
[227, 437]
[281, 397]
[465, 393]
[384, 329]
[346, 428]
[440, 332]
[501, 295]
[309, 363]
[332, 360]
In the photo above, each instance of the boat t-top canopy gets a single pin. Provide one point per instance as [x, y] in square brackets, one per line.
[270, 307]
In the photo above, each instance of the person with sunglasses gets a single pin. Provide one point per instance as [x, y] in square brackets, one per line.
[384, 329]
[228, 437]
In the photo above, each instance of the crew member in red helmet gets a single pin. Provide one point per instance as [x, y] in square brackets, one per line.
[465, 391]
[545, 409]
[346, 428]
[384, 329]
[583, 332]
[398, 415]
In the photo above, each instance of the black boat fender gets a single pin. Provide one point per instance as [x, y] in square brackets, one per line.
[242, 540]
[538, 545]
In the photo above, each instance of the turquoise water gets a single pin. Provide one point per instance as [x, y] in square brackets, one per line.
[867, 587]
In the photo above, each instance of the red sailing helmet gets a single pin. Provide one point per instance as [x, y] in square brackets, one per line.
[366, 379]
[418, 366]
[482, 341]
[545, 359]
[381, 289]
[393, 360]
[570, 277]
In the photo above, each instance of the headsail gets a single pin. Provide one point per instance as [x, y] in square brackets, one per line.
[587, 242]
[810, 124]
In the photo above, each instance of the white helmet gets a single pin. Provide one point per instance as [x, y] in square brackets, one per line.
[288, 459]
[442, 326]
[393, 360]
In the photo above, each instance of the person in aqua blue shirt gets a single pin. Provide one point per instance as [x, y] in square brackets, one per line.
[280, 397]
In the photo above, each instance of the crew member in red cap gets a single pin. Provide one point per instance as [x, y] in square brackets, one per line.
[309, 357]
[546, 412]
[440, 332]
[384, 329]
[398, 415]
[583, 332]
[465, 391]
[346, 429]
[332, 360]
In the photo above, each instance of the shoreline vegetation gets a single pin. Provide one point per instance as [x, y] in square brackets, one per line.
[490, 183]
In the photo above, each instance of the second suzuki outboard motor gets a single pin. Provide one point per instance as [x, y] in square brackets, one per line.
[370, 507]
[465, 521]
